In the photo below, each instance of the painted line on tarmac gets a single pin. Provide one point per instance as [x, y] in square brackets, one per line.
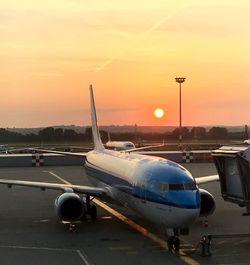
[82, 256]
[144, 232]
[135, 226]
[39, 248]
[58, 177]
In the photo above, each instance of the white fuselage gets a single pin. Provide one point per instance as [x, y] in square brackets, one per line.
[120, 145]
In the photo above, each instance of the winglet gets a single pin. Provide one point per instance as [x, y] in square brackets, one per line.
[95, 131]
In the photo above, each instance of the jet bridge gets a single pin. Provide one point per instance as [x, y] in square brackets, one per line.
[233, 166]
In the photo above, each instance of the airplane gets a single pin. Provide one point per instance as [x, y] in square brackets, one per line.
[114, 145]
[5, 149]
[128, 146]
[119, 145]
[162, 191]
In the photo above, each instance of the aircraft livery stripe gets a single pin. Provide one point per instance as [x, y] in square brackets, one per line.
[126, 187]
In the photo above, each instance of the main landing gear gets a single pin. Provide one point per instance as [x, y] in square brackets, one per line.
[90, 212]
[91, 209]
[72, 227]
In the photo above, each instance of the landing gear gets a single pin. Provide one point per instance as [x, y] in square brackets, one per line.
[72, 227]
[91, 209]
[173, 244]
[93, 212]
[173, 240]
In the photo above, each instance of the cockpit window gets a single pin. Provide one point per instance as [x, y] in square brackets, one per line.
[177, 186]
[164, 187]
[190, 186]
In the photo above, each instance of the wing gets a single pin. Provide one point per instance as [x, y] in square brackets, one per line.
[142, 148]
[85, 153]
[10, 150]
[92, 191]
[59, 152]
[207, 179]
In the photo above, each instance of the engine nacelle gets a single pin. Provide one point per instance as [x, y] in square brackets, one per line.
[207, 204]
[70, 207]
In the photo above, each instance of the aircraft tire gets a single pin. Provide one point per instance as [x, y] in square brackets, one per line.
[176, 244]
[93, 212]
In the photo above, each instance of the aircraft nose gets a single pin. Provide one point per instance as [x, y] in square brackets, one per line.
[187, 210]
[191, 216]
[194, 211]
[184, 217]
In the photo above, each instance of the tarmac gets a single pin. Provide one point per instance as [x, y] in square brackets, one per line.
[30, 232]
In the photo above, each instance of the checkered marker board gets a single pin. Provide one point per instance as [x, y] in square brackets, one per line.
[187, 157]
[37, 160]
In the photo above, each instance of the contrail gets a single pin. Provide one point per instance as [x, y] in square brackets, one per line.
[143, 35]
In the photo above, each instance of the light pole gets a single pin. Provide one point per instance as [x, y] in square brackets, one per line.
[180, 80]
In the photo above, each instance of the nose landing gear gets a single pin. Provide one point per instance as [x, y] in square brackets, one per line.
[173, 240]
[173, 244]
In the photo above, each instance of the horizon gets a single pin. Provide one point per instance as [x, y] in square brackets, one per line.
[131, 52]
[127, 125]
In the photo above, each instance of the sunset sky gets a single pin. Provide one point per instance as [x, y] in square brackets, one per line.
[131, 51]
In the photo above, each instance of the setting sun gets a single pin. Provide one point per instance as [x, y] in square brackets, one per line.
[159, 113]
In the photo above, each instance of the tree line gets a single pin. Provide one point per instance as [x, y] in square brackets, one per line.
[51, 134]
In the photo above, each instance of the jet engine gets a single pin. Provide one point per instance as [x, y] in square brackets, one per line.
[70, 207]
[207, 203]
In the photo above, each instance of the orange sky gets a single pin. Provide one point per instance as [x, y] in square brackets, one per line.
[130, 51]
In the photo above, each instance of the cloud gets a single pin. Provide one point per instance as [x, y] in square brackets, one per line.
[143, 35]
